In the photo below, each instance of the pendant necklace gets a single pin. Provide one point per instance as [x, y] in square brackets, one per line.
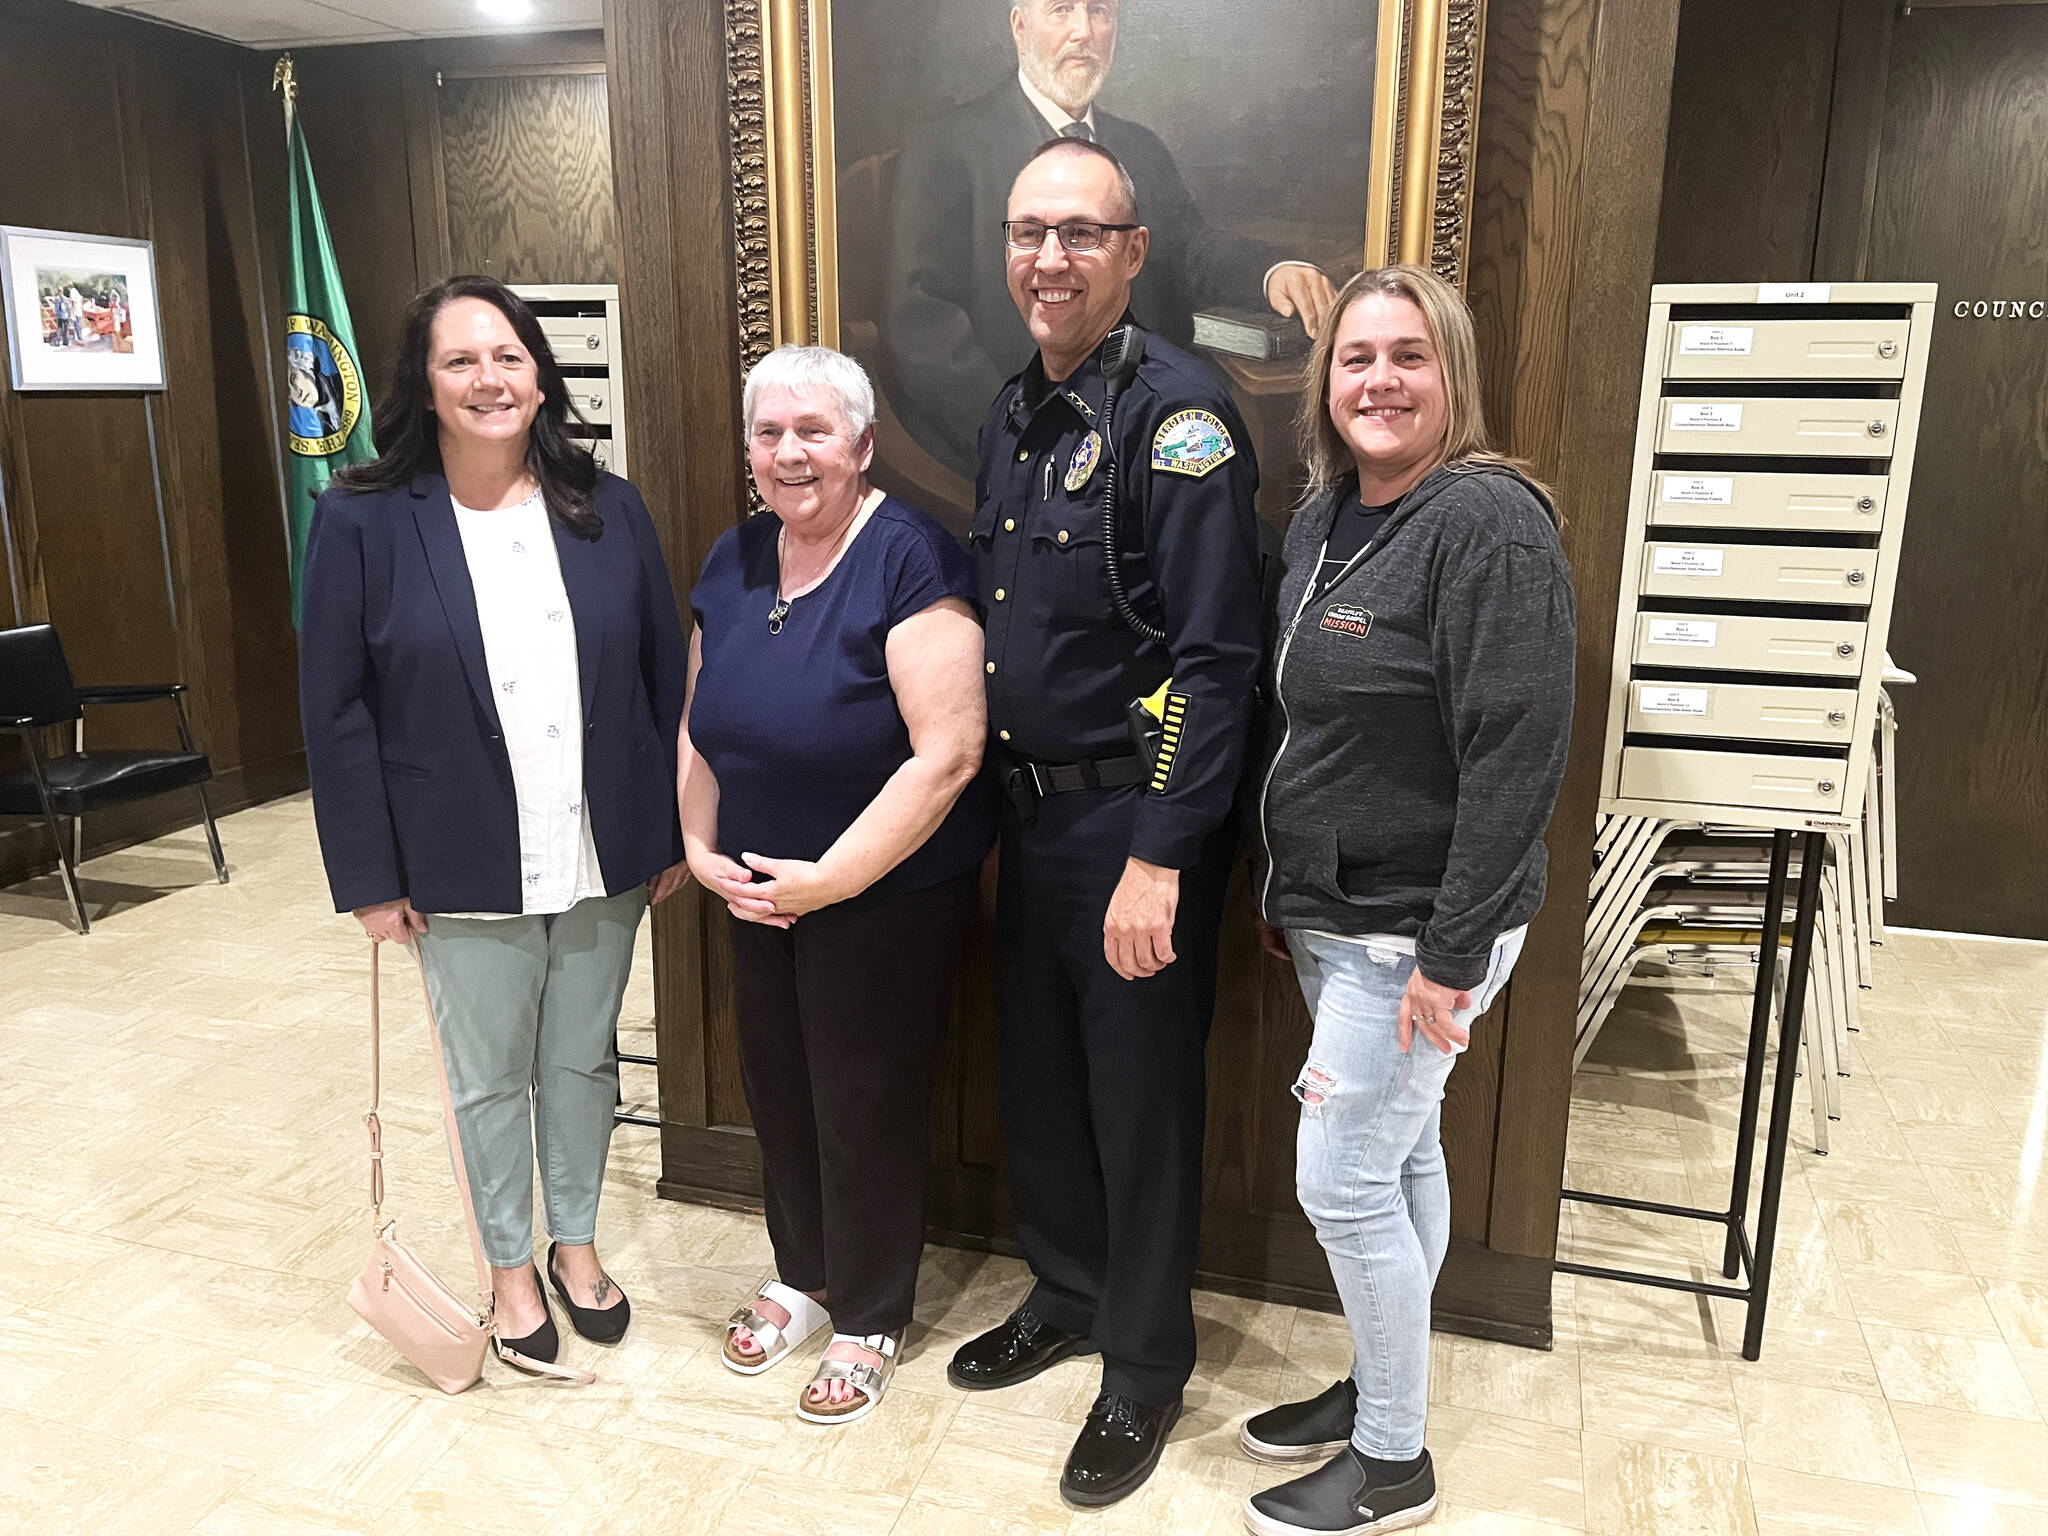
[781, 609]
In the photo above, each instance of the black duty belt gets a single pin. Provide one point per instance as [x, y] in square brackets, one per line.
[1095, 773]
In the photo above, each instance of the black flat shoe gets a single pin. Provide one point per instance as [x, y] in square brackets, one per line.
[1305, 1431]
[1346, 1497]
[1017, 1350]
[544, 1343]
[600, 1325]
[1117, 1450]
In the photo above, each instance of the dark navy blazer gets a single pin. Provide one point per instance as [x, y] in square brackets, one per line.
[412, 786]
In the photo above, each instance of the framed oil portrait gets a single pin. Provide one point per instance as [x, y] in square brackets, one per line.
[81, 311]
[874, 142]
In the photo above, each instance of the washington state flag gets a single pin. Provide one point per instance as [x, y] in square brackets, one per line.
[328, 416]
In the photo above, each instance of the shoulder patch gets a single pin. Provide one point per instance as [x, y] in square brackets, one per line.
[1192, 443]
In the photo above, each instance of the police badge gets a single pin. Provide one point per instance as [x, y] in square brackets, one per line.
[1086, 457]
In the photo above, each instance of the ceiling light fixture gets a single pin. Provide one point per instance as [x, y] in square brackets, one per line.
[506, 10]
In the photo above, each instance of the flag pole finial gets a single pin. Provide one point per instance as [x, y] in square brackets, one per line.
[284, 79]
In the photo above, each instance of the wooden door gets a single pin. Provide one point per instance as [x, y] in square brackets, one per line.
[1961, 199]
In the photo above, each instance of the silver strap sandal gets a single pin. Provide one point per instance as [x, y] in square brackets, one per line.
[870, 1382]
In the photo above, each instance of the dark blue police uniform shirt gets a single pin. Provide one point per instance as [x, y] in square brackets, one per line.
[1062, 665]
[801, 728]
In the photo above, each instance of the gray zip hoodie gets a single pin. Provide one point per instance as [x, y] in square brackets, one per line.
[1421, 714]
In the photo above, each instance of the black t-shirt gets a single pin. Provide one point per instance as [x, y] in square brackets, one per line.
[1354, 529]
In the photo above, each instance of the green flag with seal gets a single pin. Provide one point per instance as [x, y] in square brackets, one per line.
[328, 417]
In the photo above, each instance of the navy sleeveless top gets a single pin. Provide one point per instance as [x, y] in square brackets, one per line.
[801, 728]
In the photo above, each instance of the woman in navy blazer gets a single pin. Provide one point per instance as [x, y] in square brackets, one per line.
[492, 676]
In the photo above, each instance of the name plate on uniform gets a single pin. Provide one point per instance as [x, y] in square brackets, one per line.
[1716, 340]
[1706, 416]
[1699, 490]
[1673, 701]
[1675, 560]
[1700, 632]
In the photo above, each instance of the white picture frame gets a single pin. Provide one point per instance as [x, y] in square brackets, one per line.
[82, 311]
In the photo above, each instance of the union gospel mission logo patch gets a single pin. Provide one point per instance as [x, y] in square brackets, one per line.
[1348, 619]
[323, 387]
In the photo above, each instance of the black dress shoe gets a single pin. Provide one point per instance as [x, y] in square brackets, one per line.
[600, 1325]
[1305, 1431]
[543, 1344]
[1018, 1350]
[1117, 1449]
[1348, 1497]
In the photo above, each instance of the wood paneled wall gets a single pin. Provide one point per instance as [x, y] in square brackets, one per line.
[482, 154]
[1842, 141]
[148, 527]
[1572, 120]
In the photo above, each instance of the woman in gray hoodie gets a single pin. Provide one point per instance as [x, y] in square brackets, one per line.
[1421, 713]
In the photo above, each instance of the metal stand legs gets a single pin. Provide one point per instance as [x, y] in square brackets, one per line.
[1739, 1256]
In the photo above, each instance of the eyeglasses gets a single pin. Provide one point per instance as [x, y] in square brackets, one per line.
[1075, 234]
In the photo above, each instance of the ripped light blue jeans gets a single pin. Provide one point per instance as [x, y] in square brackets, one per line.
[1369, 1168]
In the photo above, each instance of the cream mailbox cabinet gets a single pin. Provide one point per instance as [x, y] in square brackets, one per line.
[1774, 449]
[581, 323]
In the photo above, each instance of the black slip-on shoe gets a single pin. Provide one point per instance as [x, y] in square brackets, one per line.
[1345, 1497]
[1306, 1431]
[600, 1325]
[544, 1343]
[1016, 1350]
[1116, 1451]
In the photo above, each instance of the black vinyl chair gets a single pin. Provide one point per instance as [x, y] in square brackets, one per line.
[36, 692]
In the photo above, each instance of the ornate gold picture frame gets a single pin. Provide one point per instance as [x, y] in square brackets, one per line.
[1423, 112]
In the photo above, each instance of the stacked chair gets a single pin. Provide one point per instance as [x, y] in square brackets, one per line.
[1689, 895]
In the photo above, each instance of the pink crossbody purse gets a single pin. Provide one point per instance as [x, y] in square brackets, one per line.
[425, 1321]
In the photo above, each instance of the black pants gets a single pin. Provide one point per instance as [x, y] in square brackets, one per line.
[1103, 1089]
[840, 1019]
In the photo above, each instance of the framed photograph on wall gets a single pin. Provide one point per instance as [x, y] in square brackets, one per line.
[874, 142]
[81, 311]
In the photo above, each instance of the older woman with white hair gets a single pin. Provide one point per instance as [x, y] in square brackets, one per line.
[830, 797]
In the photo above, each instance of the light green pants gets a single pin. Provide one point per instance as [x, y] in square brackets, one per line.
[529, 1006]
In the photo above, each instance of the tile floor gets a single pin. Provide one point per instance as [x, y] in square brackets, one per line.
[182, 1209]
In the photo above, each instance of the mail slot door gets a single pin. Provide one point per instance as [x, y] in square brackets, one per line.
[1743, 711]
[1786, 349]
[1822, 503]
[1759, 573]
[1774, 424]
[592, 398]
[1750, 643]
[1769, 780]
[576, 339]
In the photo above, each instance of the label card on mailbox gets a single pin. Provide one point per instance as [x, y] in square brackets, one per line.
[1793, 293]
[1701, 632]
[1674, 701]
[1716, 340]
[1676, 560]
[1700, 490]
[1706, 416]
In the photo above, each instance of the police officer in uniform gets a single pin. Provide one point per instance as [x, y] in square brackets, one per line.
[1116, 844]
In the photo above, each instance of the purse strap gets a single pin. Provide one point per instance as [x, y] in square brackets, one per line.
[487, 1301]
